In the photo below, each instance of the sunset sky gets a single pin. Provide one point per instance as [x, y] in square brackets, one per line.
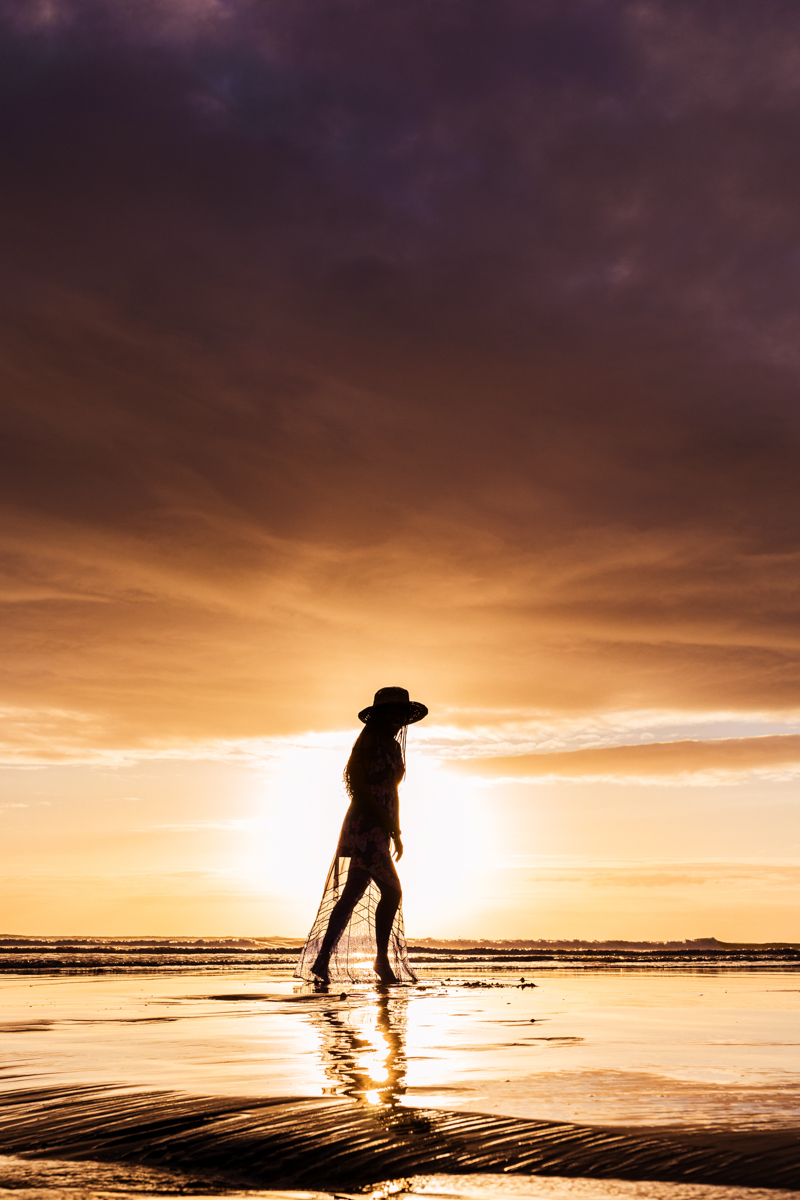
[440, 343]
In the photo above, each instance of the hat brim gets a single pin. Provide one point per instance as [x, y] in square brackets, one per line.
[414, 709]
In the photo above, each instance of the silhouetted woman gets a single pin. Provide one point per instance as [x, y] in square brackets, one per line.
[359, 926]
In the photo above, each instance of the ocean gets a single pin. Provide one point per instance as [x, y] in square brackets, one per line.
[36, 954]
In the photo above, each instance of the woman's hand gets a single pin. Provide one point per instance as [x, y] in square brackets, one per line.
[398, 846]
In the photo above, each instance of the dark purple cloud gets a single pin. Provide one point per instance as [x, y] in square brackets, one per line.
[494, 305]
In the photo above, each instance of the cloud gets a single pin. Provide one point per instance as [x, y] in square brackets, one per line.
[650, 762]
[348, 343]
[230, 826]
[759, 875]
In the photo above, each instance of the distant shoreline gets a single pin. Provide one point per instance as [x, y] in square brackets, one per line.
[21, 954]
[8, 940]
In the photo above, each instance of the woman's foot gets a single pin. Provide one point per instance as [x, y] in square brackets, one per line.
[384, 971]
[321, 970]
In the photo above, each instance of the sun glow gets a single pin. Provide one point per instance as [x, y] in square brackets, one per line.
[292, 843]
[443, 816]
[448, 837]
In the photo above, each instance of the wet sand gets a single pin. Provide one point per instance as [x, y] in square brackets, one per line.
[229, 1080]
[339, 1143]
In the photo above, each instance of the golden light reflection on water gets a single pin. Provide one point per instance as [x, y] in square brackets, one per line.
[627, 1048]
[616, 1047]
[363, 1049]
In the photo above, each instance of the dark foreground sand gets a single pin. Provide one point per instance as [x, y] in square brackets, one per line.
[337, 1143]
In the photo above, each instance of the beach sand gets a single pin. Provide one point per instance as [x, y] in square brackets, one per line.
[517, 1080]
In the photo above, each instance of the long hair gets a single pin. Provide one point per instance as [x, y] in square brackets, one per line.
[399, 737]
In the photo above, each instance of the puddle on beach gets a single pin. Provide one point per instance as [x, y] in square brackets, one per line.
[629, 1047]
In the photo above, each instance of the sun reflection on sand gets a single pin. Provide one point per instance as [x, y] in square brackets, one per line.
[363, 1049]
[655, 1047]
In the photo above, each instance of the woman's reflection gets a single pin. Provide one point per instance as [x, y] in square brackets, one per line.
[363, 1049]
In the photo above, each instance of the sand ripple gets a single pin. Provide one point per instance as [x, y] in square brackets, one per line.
[338, 1143]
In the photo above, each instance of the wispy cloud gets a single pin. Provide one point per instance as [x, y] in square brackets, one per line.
[760, 874]
[230, 826]
[707, 761]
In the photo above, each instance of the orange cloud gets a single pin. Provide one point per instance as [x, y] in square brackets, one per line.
[650, 761]
[440, 358]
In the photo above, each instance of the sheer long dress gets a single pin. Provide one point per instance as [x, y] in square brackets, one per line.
[366, 846]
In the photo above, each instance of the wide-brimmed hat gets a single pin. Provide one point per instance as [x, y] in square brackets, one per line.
[398, 696]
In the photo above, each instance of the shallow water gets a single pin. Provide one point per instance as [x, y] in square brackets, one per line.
[625, 1047]
[69, 1181]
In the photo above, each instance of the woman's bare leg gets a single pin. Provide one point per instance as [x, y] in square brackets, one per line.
[384, 919]
[357, 884]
